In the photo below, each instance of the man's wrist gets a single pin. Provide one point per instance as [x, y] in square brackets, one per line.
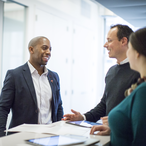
[84, 117]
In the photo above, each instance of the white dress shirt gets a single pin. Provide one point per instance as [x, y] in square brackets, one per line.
[124, 61]
[43, 93]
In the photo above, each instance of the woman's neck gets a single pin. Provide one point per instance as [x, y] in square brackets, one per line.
[142, 71]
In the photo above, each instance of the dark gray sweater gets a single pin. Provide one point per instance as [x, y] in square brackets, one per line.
[118, 79]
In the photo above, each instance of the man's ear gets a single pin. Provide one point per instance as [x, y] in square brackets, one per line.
[124, 41]
[31, 50]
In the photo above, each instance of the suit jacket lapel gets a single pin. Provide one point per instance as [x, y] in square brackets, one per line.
[50, 78]
[52, 84]
[28, 79]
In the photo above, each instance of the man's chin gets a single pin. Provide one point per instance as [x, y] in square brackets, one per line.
[110, 56]
[44, 63]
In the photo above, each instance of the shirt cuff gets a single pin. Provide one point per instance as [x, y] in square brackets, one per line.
[84, 117]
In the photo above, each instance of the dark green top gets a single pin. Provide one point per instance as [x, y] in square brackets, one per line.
[128, 120]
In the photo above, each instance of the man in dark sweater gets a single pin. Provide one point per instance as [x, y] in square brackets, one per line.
[118, 78]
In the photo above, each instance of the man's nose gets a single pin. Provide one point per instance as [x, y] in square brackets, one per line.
[48, 51]
[105, 45]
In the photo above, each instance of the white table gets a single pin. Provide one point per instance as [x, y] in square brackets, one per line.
[59, 128]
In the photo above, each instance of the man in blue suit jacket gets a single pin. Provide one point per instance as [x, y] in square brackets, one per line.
[31, 91]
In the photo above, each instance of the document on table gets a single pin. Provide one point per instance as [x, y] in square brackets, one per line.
[57, 128]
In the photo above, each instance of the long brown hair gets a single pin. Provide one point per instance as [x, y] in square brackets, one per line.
[138, 41]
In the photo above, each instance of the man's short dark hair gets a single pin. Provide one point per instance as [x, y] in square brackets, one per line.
[123, 31]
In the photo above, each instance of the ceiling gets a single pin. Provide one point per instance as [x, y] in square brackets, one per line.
[133, 11]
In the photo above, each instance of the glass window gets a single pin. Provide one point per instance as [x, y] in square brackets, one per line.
[13, 36]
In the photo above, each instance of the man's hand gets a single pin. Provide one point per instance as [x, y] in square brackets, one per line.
[73, 117]
[103, 130]
[104, 120]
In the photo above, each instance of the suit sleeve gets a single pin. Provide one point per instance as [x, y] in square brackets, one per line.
[6, 101]
[99, 111]
[60, 108]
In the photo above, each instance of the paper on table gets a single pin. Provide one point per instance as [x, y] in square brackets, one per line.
[30, 128]
[69, 129]
[57, 128]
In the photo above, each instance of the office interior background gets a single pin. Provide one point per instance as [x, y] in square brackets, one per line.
[77, 30]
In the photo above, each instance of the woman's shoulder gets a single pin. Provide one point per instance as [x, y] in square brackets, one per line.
[142, 86]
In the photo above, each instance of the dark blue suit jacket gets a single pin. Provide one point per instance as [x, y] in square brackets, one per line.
[18, 94]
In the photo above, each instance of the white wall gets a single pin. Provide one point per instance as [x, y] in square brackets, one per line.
[75, 30]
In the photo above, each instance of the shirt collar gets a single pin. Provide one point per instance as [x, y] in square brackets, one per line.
[124, 61]
[32, 69]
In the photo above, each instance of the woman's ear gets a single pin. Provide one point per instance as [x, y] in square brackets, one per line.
[137, 54]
